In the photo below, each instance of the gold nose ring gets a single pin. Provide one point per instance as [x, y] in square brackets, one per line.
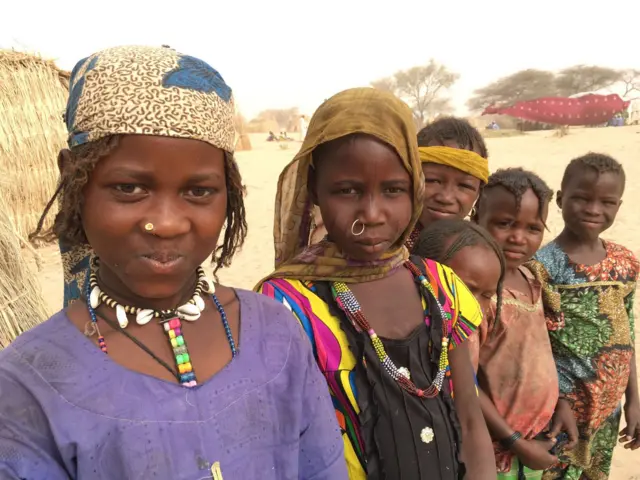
[149, 227]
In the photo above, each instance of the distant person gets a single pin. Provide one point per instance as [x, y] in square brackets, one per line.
[272, 137]
[303, 127]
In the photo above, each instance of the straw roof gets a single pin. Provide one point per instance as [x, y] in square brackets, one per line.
[22, 305]
[33, 93]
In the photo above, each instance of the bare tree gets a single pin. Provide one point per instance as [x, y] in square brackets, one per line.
[387, 84]
[631, 80]
[522, 85]
[585, 78]
[424, 88]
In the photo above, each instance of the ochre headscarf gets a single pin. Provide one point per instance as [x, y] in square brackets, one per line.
[137, 90]
[358, 110]
[464, 160]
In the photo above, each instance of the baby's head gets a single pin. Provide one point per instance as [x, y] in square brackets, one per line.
[472, 254]
[591, 194]
[513, 208]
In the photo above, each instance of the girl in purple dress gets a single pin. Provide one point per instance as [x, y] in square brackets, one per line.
[157, 372]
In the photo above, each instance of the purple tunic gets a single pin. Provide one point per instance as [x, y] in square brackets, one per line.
[68, 411]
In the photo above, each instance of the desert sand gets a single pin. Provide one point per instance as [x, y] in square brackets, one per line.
[541, 152]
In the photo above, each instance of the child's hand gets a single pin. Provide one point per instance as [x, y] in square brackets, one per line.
[535, 453]
[630, 435]
[564, 421]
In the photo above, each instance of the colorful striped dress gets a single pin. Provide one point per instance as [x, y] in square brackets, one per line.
[366, 400]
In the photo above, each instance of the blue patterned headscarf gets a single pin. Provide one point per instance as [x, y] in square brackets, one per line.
[142, 91]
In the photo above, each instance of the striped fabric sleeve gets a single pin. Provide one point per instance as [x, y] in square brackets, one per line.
[469, 312]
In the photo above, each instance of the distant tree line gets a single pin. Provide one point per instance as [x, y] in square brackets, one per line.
[531, 83]
[426, 89]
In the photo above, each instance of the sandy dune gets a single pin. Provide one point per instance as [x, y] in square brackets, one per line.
[541, 152]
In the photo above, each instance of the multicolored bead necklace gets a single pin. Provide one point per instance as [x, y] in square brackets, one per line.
[348, 303]
[169, 319]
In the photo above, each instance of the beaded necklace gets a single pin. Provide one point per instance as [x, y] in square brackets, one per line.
[348, 303]
[169, 319]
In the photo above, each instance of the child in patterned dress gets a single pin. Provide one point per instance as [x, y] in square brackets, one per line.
[588, 289]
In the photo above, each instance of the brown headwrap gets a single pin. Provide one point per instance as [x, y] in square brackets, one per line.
[358, 110]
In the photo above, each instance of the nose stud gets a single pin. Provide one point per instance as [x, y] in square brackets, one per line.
[149, 227]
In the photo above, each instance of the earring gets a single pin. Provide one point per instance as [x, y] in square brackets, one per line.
[474, 211]
[149, 227]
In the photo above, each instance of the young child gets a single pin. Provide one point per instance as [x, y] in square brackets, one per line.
[157, 372]
[589, 291]
[388, 331]
[471, 252]
[516, 370]
[455, 166]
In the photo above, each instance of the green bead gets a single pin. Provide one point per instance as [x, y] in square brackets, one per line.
[179, 359]
[180, 340]
[186, 357]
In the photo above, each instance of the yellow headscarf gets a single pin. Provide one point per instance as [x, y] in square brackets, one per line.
[464, 160]
[358, 110]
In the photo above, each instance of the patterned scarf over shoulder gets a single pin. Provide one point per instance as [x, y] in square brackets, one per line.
[142, 91]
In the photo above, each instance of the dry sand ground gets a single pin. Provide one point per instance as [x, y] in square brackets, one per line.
[540, 152]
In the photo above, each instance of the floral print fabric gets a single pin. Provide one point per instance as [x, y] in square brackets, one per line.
[590, 320]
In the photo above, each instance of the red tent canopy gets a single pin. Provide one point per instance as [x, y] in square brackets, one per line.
[589, 109]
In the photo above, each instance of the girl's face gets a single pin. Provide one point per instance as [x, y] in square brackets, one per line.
[363, 179]
[478, 267]
[518, 231]
[178, 186]
[449, 192]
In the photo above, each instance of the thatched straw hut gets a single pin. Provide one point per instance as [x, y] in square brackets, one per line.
[22, 305]
[33, 94]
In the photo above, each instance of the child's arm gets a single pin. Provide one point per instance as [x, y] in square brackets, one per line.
[321, 445]
[477, 451]
[532, 453]
[630, 435]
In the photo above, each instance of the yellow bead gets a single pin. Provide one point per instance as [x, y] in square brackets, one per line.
[174, 343]
[172, 334]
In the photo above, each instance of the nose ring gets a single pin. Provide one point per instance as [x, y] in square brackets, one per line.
[149, 227]
[353, 227]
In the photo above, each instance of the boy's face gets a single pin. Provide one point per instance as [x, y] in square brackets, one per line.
[590, 202]
[518, 231]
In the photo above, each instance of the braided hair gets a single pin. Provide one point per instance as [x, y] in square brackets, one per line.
[598, 162]
[68, 227]
[434, 244]
[453, 129]
[517, 181]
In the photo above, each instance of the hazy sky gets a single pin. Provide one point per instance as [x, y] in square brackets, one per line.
[297, 53]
